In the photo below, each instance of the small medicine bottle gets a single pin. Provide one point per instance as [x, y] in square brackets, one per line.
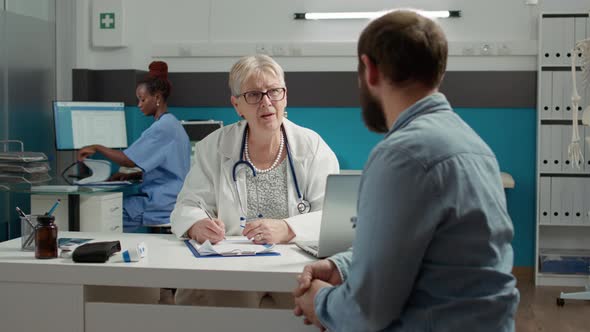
[46, 237]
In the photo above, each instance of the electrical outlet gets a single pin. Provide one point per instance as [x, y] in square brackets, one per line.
[503, 49]
[468, 50]
[295, 50]
[486, 49]
[184, 51]
[279, 50]
[263, 49]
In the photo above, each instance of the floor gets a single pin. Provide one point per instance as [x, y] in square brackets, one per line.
[537, 311]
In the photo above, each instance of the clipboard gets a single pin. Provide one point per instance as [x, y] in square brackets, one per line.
[234, 254]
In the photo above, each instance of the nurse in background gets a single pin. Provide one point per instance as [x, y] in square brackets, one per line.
[162, 153]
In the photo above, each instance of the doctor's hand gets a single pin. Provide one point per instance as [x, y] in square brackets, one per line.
[86, 151]
[263, 231]
[324, 270]
[207, 229]
[305, 306]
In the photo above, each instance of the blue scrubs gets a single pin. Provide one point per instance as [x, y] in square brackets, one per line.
[163, 153]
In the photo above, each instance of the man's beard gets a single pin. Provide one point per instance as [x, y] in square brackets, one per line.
[373, 114]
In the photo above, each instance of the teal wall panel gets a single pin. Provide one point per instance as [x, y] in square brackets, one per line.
[509, 132]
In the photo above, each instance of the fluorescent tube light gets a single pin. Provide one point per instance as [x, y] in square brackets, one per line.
[372, 15]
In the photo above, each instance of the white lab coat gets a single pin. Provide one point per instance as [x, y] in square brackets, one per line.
[210, 184]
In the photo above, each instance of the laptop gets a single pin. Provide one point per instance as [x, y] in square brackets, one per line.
[336, 232]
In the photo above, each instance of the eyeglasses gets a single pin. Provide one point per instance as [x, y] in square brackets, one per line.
[254, 97]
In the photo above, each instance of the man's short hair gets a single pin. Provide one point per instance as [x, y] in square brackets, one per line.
[406, 47]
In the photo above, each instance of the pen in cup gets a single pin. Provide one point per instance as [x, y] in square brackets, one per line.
[30, 237]
[22, 214]
[53, 207]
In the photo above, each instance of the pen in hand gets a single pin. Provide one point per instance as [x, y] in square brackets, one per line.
[209, 216]
[207, 213]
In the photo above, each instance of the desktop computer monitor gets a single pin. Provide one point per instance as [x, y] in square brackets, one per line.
[78, 124]
[197, 130]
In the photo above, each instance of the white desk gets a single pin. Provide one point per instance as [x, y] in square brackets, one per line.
[60, 295]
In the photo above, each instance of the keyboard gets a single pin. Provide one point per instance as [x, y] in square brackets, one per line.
[309, 248]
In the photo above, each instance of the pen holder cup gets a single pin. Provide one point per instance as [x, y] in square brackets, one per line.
[27, 227]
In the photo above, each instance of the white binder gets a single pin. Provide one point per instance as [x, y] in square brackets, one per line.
[582, 143]
[578, 201]
[567, 94]
[545, 108]
[556, 200]
[550, 31]
[557, 95]
[545, 148]
[580, 30]
[567, 199]
[586, 212]
[569, 35]
[544, 200]
[555, 153]
[566, 138]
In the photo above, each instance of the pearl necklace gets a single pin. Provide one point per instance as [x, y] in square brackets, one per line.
[274, 164]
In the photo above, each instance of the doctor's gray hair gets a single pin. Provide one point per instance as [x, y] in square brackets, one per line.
[252, 65]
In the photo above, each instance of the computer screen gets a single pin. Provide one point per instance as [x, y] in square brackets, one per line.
[78, 124]
[197, 130]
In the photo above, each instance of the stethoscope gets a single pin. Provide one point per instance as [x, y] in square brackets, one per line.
[303, 205]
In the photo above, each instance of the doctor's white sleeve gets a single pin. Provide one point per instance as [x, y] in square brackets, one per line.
[307, 226]
[198, 190]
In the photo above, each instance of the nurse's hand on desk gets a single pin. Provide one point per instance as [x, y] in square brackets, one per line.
[207, 229]
[263, 231]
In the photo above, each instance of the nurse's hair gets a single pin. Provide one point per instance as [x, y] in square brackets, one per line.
[157, 79]
[253, 65]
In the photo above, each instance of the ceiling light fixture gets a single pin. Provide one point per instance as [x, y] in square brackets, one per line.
[372, 15]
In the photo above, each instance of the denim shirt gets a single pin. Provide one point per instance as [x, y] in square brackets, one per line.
[432, 248]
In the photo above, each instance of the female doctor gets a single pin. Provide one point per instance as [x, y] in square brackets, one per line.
[263, 177]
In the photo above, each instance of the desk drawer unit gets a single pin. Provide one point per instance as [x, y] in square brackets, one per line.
[101, 213]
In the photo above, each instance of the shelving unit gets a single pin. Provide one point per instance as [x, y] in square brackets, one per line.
[563, 191]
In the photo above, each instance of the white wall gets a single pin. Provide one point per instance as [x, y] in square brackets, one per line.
[38, 9]
[182, 31]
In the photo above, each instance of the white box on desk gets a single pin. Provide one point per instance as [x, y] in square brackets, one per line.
[99, 212]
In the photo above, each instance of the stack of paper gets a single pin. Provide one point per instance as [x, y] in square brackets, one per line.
[232, 248]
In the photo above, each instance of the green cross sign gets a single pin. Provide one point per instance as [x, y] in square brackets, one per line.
[107, 20]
